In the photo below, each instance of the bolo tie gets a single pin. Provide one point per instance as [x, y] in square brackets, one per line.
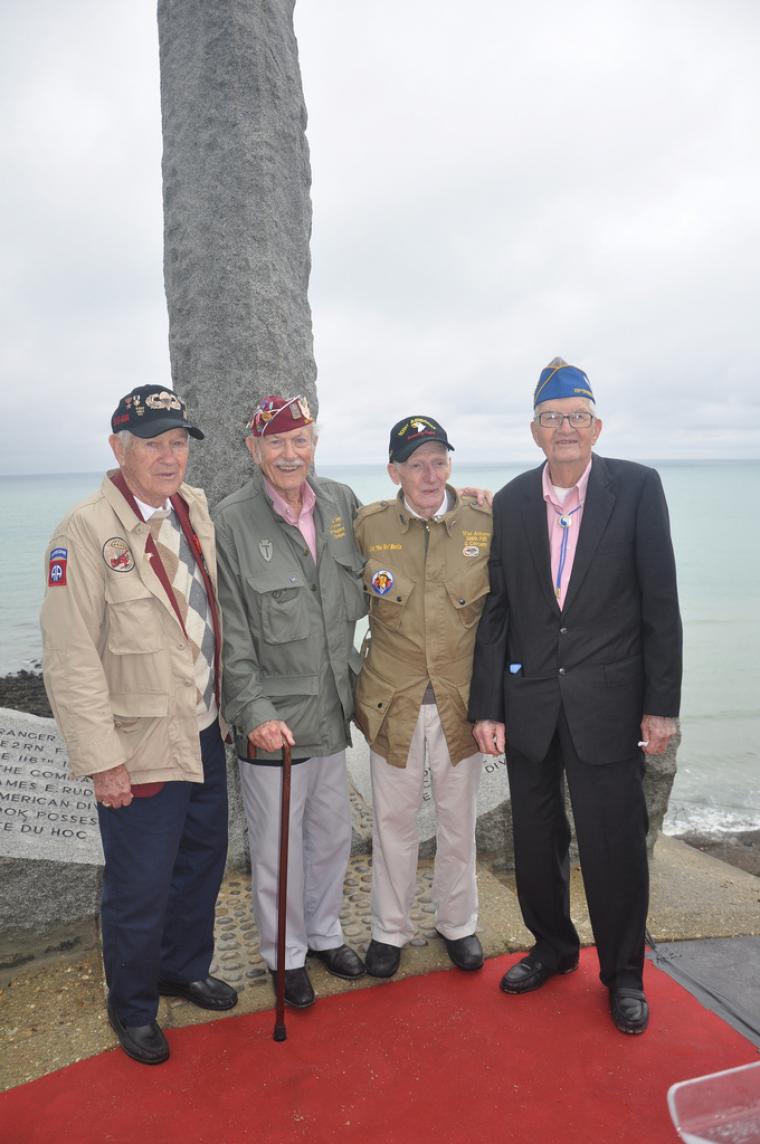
[565, 520]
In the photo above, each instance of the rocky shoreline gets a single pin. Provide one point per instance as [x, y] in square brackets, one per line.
[25, 691]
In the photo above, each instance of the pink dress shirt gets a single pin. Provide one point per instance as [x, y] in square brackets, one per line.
[571, 509]
[304, 522]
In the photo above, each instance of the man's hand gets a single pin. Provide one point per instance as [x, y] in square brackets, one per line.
[482, 496]
[113, 787]
[490, 737]
[656, 733]
[272, 735]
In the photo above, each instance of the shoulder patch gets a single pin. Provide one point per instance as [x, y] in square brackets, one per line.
[57, 568]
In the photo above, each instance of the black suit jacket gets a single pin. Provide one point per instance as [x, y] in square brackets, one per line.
[614, 651]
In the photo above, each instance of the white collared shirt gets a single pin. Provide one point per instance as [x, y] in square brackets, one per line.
[442, 508]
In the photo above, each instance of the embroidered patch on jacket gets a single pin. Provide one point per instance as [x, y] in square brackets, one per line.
[337, 528]
[57, 568]
[266, 548]
[382, 582]
[471, 550]
[117, 555]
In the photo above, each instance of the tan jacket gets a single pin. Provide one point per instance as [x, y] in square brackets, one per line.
[425, 602]
[117, 666]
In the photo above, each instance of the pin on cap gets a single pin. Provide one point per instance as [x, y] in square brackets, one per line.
[409, 434]
[150, 410]
[276, 414]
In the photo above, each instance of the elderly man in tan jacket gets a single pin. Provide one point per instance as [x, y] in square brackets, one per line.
[131, 641]
[426, 578]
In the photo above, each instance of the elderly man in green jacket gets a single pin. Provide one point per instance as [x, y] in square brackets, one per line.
[291, 592]
[427, 579]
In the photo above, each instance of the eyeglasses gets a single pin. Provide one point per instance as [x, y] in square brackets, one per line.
[579, 419]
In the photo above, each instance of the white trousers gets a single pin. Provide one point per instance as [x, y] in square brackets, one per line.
[396, 798]
[319, 846]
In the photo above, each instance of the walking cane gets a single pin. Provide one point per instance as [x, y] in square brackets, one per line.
[282, 897]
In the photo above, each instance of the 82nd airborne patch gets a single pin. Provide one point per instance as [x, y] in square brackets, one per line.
[57, 568]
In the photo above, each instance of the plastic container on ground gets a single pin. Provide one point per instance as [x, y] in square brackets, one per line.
[722, 1108]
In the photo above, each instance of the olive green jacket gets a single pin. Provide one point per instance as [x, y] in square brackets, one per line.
[288, 647]
[427, 583]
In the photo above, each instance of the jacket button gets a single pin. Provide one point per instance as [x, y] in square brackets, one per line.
[563, 631]
[313, 587]
[399, 599]
[462, 601]
[563, 671]
[379, 704]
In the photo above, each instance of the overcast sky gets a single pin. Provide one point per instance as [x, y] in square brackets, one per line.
[493, 184]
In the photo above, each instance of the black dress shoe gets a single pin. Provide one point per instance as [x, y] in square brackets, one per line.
[341, 962]
[465, 952]
[530, 973]
[382, 960]
[209, 994]
[629, 1009]
[299, 991]
[143, 1043]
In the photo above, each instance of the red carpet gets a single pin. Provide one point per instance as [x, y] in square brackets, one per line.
[445, 1058]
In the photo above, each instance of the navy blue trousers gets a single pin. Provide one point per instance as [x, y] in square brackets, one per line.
[164, 862]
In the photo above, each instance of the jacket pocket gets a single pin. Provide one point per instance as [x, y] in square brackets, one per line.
[467, 595]
[388, 593]
[282, 607]
[373, 699]
[354, 599]
[134, 625]
[131, 706]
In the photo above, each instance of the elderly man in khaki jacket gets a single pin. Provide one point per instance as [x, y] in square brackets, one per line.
[426, 578]
[131, 641]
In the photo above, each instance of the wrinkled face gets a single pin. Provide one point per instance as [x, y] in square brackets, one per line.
[423, 477]
[284, 458]
[153, 467]
[567, 444]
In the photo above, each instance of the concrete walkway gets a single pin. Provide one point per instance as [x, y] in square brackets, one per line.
[54, 1014]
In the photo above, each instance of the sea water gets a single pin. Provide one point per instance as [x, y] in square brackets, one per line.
[718, 555]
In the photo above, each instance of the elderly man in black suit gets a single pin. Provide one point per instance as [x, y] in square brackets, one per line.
[578, 670]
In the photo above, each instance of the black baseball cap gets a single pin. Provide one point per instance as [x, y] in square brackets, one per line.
[409, 434]
[152, 409]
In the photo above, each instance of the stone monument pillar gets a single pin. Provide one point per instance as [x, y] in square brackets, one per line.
[237, 219]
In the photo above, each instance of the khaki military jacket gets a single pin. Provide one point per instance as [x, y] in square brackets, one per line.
[118, 668]
[288, 622]
[426, 582]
